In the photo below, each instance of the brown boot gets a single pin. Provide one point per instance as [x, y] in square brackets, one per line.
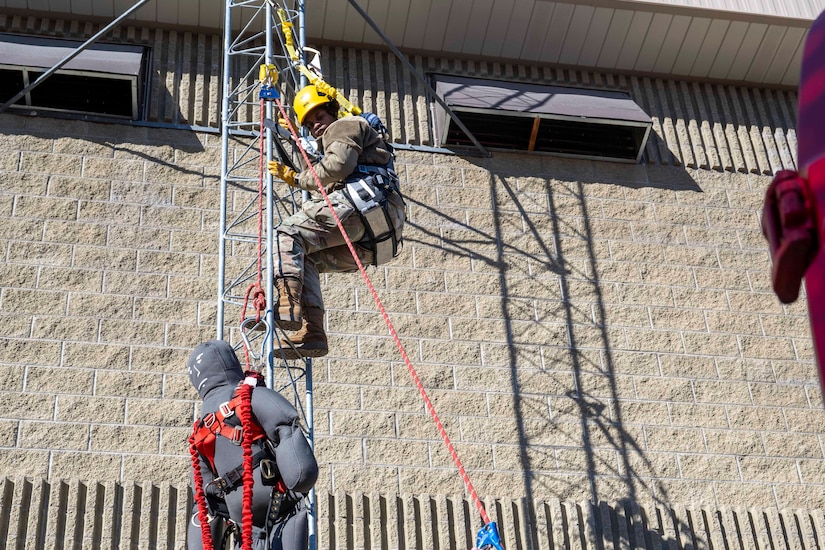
[311, 340]
[288, 316]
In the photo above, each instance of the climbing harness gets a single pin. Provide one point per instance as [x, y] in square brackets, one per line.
[223, 422]
[368, 190]
[369, 187]
[234, 421]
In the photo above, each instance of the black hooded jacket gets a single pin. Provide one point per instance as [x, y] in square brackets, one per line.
[215, 372]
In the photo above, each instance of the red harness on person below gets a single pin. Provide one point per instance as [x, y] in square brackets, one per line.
[214, 424]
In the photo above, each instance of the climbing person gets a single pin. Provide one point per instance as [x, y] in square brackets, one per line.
[284, 466]
[355, 167]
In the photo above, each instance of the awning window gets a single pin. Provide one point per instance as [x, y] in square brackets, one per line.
[601, 124]
[104, 79]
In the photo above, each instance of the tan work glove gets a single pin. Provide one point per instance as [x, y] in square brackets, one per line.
[283, 172]
[286, 124]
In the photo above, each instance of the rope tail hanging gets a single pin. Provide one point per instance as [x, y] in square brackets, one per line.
[255, 292]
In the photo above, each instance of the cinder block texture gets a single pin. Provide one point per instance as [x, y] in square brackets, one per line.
[613, 338]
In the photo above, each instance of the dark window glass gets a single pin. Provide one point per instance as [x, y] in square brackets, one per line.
[83, 93]
[502, 132]
[587, 138]
[11, 82]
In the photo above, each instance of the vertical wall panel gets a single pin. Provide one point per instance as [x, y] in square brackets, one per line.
[681, 124]
[57, 514]
[669, 124]
[38, 514]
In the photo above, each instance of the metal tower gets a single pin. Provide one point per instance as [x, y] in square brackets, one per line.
[252, 204]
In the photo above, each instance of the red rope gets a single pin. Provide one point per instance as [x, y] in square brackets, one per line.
[248, 481]
[261, 194]
[200, 496]
[256, 290]
[430, 408]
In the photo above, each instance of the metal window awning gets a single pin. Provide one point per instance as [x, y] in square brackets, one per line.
[35, 52]
[601, 124]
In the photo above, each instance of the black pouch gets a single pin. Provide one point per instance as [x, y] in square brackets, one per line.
[367, 192]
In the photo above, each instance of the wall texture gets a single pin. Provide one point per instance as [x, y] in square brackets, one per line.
[588, 331]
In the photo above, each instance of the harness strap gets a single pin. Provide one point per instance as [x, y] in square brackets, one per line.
[234, 477]
[388, 179]
[215, 423]
[367, 190]
[374, 169]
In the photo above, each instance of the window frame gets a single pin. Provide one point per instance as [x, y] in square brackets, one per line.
[591, 112]
[104, 62]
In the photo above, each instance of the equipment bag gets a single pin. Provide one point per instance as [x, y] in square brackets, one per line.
[367, 190]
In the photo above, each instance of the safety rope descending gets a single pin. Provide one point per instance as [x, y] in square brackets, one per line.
[428, 403]
[488, 536]
[251, 380]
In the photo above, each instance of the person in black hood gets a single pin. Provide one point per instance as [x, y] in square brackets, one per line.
[285, 468]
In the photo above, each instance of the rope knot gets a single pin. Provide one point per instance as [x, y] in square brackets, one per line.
[259, 299]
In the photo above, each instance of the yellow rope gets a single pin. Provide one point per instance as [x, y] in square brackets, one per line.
[347, 107]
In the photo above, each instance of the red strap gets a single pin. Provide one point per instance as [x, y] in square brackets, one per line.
[214, 424]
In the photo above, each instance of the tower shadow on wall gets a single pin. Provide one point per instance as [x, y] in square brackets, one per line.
[534, 266]
[594, 398]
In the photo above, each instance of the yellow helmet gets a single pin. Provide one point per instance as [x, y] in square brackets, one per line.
[307, 99]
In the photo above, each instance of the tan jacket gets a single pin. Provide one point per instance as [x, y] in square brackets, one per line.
[346, 143]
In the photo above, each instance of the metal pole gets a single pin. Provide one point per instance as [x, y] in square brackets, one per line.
[420, 78]
[313, 517]
[270, 221]
[225, 77]
[71, 56]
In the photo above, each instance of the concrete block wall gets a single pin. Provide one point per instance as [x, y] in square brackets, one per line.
[587, 331]
[104, 289]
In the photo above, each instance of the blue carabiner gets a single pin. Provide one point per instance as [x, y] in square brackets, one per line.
[488, 538]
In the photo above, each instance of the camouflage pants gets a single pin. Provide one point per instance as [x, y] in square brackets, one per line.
[309, 242]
